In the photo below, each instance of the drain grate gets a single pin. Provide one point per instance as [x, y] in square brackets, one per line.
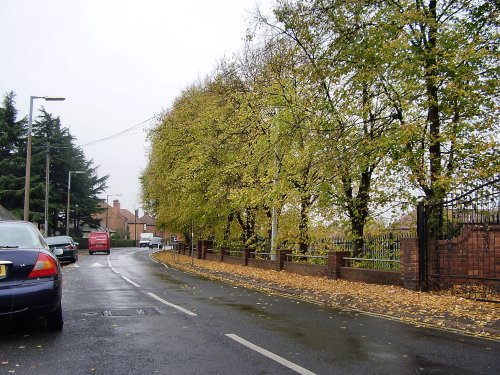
[133, 311]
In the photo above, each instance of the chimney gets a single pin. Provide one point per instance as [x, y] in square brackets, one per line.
[116, 204]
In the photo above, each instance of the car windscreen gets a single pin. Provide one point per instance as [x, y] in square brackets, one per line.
[56, 240]
[16, 235]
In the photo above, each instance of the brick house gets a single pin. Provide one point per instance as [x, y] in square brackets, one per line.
[117, 219]
[111, 218]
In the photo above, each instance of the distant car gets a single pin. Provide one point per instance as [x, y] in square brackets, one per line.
[68, 246]
[30, 275]
[156, 242]
[144, 239]
[99, 242]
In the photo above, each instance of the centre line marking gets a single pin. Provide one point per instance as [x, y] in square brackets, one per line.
[130, 281]
[267, 353]
[190, 313]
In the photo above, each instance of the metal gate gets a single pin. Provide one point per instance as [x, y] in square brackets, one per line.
[460, 243]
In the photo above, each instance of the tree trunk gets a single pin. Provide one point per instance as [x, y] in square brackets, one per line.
[437, 190]
[361, 212]
[247, 225]
[227, 229]
[304, 224]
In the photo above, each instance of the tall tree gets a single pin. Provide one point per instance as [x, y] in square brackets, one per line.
[12, 155]
[49, 138]
[53, 141]
[346, 57]
[445, 91]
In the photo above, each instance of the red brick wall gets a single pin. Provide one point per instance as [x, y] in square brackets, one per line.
[305, 269]
[233, 260]
[474, 254]
[212, 257]
[261, 263]
[371, 276]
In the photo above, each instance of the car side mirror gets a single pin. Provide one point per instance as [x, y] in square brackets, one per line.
[58, 252]
[76, 244]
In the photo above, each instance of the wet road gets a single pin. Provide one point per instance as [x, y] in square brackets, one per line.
[125, 314]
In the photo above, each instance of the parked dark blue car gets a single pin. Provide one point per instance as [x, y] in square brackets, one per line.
[66, 244]
[30, 275]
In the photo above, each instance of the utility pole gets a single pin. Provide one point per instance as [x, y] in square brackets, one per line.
[135, 226]
[274, 218]
[192, 242]
[47, 172]
[69, 194]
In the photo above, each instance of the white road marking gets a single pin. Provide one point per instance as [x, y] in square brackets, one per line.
[114, 270]
[109, 262]
[96, 265]
[267, 353]
[73, 265]
[130, 281]
[190, 313]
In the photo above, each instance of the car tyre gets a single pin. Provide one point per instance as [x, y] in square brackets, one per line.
[108, 252]
[90, 252]
[55, 320]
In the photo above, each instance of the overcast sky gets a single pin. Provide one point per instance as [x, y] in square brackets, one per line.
[118, 63]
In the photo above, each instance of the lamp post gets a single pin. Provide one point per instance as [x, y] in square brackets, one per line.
[28, 155]
[107, 206]
[69, 189]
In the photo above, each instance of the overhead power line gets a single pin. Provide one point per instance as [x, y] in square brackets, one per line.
[121, 133]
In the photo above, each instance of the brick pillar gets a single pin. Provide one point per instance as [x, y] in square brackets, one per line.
[335, 262]
[410, 270]
[281, 258]
[246, 254]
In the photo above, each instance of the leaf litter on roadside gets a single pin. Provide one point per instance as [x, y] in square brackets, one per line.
[432, 308]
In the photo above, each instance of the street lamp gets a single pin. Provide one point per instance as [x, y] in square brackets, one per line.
[107, 206]
[28, 155]
[69, 188]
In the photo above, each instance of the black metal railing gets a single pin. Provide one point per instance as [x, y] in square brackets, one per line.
[378, 252]
[479, 204]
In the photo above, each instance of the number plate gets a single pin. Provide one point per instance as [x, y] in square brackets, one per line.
[3, 270]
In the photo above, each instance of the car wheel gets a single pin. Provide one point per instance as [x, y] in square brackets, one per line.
[90, 252]
[74, 258]
[55, 319]
[108, 252]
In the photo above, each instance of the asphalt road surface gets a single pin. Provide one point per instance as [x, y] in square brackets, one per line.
[126, 314]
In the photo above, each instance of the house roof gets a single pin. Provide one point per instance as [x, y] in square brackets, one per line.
[7, 215]
[127, 215]
[148, 220]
